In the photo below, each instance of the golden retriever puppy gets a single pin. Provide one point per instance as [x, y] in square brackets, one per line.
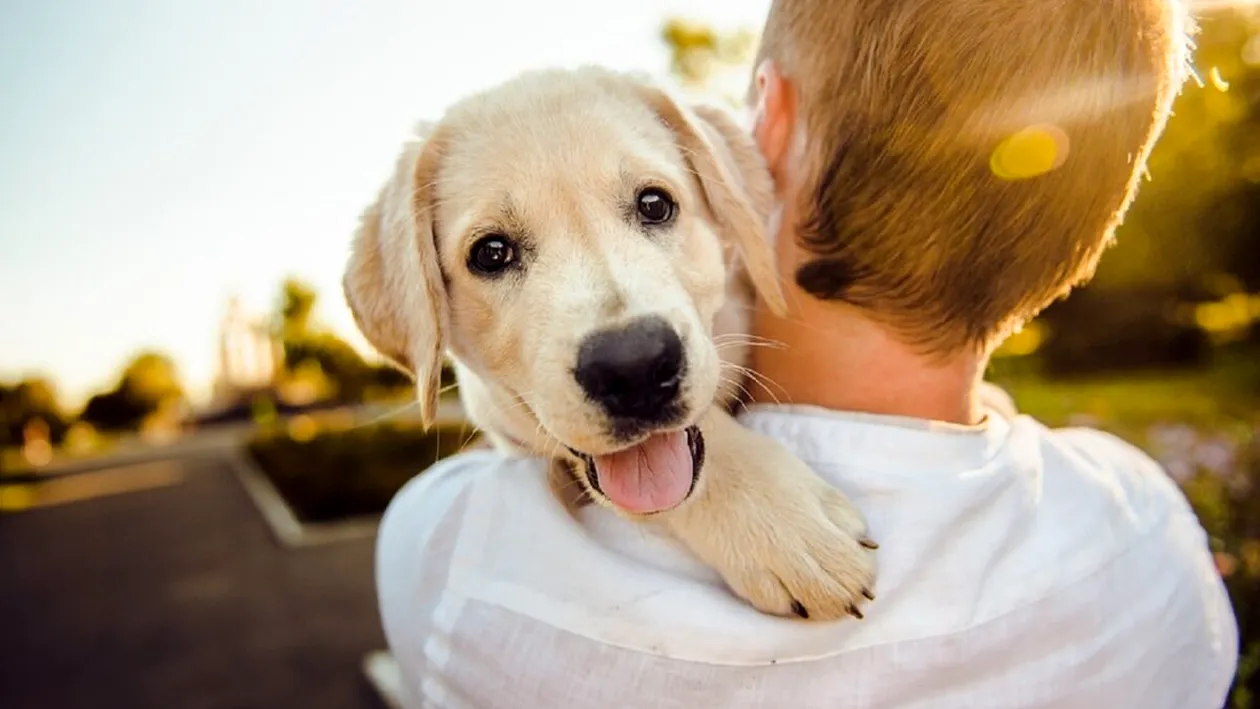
[584, 248]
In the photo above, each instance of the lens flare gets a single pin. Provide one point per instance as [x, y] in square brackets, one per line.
[1031, 152]
[1219, 83]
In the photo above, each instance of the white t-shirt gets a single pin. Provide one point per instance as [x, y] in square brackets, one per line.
[1019, 567]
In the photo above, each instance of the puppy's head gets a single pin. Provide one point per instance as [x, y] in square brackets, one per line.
[565, 236]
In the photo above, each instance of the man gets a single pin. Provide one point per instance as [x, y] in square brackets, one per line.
[1019, 567]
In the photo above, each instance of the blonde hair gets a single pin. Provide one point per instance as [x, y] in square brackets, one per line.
[906, 211]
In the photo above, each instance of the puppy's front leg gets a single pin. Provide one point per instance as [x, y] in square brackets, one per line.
[781, 537]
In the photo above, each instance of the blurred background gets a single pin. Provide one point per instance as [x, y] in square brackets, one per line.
[195, 443]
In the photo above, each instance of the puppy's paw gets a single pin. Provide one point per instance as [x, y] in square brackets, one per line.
[780, 536]
[808, 557]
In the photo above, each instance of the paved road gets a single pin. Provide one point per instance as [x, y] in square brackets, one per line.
[178, 598]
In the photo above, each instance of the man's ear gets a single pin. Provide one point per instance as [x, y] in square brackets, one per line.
[736, 185]
[393, 281]
[774, 118]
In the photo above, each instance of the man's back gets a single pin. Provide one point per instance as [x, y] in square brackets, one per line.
[1019, 567]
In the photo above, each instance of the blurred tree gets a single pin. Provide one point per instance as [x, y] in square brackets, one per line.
[149, 384]
[113, 412]
[707, 60]
[25, 403]
[323, 362]
[297, 303]
[1190, 222]
[151, 378]
[1193, 235]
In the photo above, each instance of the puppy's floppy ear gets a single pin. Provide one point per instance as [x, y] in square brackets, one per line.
[736, 183]
[393, 281]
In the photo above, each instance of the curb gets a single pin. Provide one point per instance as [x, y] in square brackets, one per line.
[284, 524]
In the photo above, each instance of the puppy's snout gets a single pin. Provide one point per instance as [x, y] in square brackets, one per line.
[633, 372]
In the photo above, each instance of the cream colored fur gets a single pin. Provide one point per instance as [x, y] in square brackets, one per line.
[555, 158]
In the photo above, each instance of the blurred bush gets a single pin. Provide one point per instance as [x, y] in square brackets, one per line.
[1191, 240]
[1117, 329]
[27, 405]
[320, 366]
[1192, 237]
[148, 388]
[330, 473]
[1218, 471]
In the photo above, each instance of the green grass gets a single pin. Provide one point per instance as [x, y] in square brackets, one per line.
[1224, 395]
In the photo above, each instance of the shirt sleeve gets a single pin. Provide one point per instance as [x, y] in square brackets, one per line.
[1196, 593]
[413, 542]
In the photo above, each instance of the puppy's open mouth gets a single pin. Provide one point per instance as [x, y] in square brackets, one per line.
[652, 476]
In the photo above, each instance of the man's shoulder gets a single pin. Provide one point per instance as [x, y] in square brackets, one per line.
[440, 491]
[1094, 459]
[460, 472]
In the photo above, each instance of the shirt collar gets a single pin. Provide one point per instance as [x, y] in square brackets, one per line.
[880, 442]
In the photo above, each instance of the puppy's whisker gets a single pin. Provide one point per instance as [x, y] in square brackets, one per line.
[745, 394]
[471, 436]
[570, 484]
[765, 382]
[513, 405]
[742, 336]
[397, 412]
[748, 339]
[721, 346]
[761, 380]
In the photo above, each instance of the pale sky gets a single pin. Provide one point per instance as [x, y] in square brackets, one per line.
[157, 156]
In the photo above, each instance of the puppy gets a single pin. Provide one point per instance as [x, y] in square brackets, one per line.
[585, 249]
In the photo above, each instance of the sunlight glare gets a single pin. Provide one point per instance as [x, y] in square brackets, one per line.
[1201, 6]
[1218, 83]
[1251, 51]
[1031, 152]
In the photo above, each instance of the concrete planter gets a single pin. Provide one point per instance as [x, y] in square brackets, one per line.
[288, 530]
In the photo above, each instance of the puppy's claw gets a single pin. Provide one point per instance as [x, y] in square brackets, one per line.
[853, 611]
[799, 609]
[867, 592]
[869, 544]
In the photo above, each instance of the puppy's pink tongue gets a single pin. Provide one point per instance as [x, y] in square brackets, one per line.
[652, 476]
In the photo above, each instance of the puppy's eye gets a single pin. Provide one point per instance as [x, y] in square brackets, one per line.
[491, 254]
[655, 206]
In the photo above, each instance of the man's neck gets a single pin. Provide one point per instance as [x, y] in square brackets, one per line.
[835, 357]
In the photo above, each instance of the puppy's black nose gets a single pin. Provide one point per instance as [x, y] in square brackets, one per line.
[634, 372]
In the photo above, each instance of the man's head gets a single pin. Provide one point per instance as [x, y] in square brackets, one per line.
[951, 167]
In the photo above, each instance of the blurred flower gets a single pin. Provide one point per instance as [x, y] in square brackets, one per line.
[1175, 436]
[1239, 483]
[1250, 554]
[1173, 445]
[1226, 563]
[1178, 469]
[1217, 455]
